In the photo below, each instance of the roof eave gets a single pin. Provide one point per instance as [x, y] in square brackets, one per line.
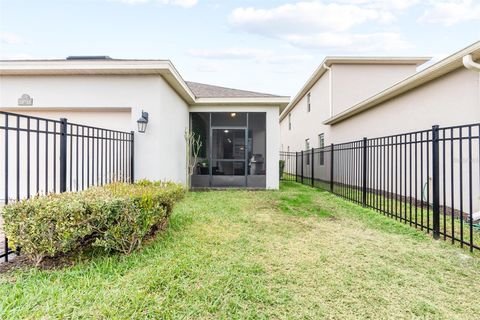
[281, 102]
[376, 60]
[435, 71]
[329, 61]
[155, 67]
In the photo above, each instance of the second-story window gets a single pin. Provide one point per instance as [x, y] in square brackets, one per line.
[321, 145]
[289, 121]
[309, 106]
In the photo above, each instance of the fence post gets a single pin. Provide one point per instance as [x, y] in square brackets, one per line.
[296, 166]
[301, 171]
[331, 168]
[436, 182]
[63, 154]
[6, 157]
[313, 166]
[364, 171]
[132, 156]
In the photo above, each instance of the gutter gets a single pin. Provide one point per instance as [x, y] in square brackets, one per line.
[470, 64]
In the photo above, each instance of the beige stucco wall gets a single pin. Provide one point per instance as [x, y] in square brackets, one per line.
[350, 84]
[353, 83]
[450, 100]
[159, 153]
[115, 119]
[307, 124]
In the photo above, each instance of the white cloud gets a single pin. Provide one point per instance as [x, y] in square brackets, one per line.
[182, 3]
[10, 38]
[372, 42]
[396, 5]
[230, 53]
[451, 12]
[327, 26]
[267, 56]
[302, 17]
[208, 68]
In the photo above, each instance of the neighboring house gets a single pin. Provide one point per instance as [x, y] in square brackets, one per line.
[239, 129]
[349, 98]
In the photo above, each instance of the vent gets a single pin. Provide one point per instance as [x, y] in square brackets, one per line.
[89, 58]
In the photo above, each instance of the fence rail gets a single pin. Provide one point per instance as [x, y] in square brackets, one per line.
[41, 156]
[429, 179]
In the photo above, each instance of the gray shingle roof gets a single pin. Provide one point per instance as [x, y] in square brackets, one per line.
[201, 90]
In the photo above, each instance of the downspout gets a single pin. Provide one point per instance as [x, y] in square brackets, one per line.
[330, 91]
[470, 64]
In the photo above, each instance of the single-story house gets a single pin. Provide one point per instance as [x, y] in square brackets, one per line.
[348, 98]
[239, 129]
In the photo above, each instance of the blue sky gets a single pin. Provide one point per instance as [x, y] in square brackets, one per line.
[271, 45]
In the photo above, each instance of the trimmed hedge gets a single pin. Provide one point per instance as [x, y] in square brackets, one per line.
[115, 217]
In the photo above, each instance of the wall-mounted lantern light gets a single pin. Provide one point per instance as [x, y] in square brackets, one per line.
[142, 122]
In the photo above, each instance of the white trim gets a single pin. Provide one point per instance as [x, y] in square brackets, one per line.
[328, 61]
[165, 68]
[281, 102]
[435, 71]
[69, 109]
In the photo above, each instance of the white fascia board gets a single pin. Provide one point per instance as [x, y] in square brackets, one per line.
[376, 60]
[306, 87]
[64, 67]
[273, 101]
[435, 71]
[88, 109]
[165, 68]
[329, 61]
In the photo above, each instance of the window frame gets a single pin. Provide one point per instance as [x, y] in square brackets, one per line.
[321, 146]
[309, 102]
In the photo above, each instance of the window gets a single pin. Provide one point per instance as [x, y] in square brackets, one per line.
[307, 147]
[321, 145]
[289, 121]
[288, 148]
[308, 102]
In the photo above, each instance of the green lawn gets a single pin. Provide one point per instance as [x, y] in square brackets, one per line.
[295, 253]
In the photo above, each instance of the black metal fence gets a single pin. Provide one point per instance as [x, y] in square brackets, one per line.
[41, 156]
[429, 179]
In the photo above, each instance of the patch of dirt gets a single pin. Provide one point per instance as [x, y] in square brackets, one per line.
[16, 263]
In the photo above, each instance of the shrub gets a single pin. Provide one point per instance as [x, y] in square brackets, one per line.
[116, 217]
[145, 210]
